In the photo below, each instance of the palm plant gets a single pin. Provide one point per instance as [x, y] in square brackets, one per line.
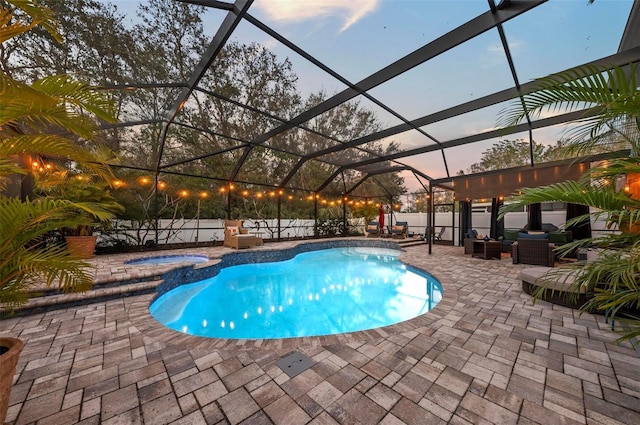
[611, 101]
[34, 119]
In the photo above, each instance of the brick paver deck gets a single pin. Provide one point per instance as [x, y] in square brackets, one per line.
[486, 354]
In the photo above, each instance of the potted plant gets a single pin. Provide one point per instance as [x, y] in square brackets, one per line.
[613, 122]
[31, 117]
[90, 196]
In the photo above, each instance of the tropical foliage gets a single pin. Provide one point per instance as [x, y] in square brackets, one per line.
[610, 99]
[33, 119]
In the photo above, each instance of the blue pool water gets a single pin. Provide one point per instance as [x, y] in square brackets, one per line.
[315, 293]
[170, 259]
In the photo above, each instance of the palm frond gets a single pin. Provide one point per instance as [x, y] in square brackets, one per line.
[611, 90]
[39, 13]
[58, 101]
[47, 145]
[25, 260]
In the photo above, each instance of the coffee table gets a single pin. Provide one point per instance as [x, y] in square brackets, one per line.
[487, 249]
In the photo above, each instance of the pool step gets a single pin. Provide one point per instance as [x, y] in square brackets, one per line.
[52, 299]
[403, 243]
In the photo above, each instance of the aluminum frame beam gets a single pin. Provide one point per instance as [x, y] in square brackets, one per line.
[620, 59]
[465, 32]
[229, 24]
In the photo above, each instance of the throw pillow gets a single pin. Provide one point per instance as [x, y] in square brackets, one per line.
[233, 230]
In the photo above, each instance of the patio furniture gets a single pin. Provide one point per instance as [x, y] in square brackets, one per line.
[237, 237]
[372, 229]
[438, 236]
[399, 230]
[508, 238]
[558, 286]
[487, 249]
[533, 251]
[470, 237]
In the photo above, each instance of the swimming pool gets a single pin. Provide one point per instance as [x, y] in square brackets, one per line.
[328, 291]
[169, 259]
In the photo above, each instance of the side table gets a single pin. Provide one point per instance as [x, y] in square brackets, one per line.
[487, 249]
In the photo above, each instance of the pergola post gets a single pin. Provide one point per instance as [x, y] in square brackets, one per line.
[155, 208]
[430, 219]
[279, 212]
[229, 201]
[345, 229]
[315, 214]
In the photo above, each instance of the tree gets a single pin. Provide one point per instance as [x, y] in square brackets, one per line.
[508, 154]
[163, 48]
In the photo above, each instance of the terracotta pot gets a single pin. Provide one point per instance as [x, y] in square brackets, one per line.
[8, 362]
[81, 246]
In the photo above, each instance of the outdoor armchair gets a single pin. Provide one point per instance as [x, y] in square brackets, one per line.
[533, 251]
[235, 236]
[399, 230]
[372, 229]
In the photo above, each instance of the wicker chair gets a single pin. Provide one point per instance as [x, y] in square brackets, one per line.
[235, 236]
[533, 251]
[469, 237]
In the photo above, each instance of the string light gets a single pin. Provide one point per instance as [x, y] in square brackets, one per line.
[184, 193]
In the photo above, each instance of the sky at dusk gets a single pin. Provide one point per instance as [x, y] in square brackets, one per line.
[356, 38]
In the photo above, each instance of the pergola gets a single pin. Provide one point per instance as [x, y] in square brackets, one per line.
[427, 144]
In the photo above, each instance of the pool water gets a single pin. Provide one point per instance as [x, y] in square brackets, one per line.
[170, 259]
[316, 293]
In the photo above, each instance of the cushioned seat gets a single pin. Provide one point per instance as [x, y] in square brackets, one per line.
[533, 250]
[471, 235]
[399, 230]
[372, 229]
[508, 238]
[235, 236]
[559, 289]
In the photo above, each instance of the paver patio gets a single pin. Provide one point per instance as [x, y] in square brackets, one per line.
[486, 354]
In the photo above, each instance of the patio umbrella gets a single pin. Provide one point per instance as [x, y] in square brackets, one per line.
[381, 217]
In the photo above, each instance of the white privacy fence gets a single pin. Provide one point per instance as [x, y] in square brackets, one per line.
[211, 230]
[481, 221]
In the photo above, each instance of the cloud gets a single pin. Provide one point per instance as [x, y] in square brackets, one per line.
[298, 10]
